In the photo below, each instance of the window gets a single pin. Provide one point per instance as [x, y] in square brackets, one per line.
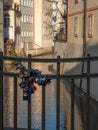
[82, 26]
[30, 18]
[22, 33]
[27, 2]
[21, 2]
[6, 20]
[76, 26]
[22, 18]
[27, 33]
[90, 25]
[27, 19]
[24, 2]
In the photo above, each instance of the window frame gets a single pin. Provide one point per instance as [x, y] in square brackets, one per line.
[6, 20]
[76, 26]
[90, 28]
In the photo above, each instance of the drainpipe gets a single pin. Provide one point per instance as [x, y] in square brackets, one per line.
[67, 21]
[84, 29]
[84, 37]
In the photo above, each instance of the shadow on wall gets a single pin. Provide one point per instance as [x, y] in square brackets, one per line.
[74, 68]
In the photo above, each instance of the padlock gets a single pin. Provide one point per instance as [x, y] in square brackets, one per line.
[34, 88]
[25, 96]
[21, 76]
[34, 80]
[23, 84]
[35, 72]
[25, 89]
[47, 81]
[30, 92]
[39, 82]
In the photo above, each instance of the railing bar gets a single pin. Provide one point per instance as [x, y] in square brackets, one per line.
[1, 94]
[72, 104]
[88, 95]
[29, 98]
[77, 59]
[77, 76]
[43, 107]
[58, 97]
[15, 103]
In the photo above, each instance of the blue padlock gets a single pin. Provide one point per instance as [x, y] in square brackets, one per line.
[23, 84]
[30, 92]
[35, 72]
[39, 82]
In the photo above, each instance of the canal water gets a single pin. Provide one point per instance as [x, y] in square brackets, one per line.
[36, 101]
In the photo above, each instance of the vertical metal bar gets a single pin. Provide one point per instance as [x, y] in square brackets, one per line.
[15, 103]
[1, 94]
[43, 107]
[72, 104]
[58, 95]
[88, 95]
[29, 99]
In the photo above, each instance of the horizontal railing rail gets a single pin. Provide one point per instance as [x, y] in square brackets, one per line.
[58, 59]
[54, 76]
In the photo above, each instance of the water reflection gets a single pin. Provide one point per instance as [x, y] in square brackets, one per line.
[36, 102]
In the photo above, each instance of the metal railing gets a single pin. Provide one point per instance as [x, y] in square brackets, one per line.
[57, 76]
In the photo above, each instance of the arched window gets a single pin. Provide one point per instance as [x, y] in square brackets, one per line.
[6, 20]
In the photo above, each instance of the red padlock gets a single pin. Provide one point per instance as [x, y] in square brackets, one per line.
[34, 88]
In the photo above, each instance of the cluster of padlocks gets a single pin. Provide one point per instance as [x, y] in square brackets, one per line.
[29, 80]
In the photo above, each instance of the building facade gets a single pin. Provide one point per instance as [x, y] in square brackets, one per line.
[76, 20]
[59, 20]
[26, 23]
[42, 24]
[47, 31]
[12, 28]
[18, 23]
[1, 25]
